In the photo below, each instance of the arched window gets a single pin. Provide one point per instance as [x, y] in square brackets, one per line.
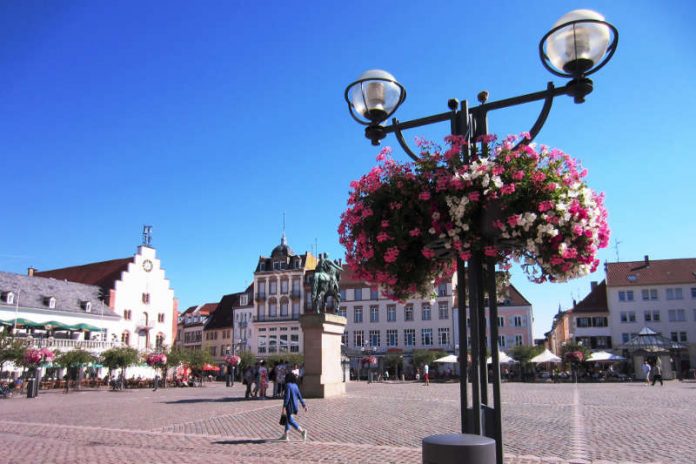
[125, 338]
[284, 307]
[272, 307]
[159, 341]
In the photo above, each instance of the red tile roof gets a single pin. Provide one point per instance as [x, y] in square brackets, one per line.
[208, 309]
[651, 272]
[595, 302]
[103, 274]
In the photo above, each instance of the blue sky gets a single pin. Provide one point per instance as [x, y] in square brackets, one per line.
[209, 120]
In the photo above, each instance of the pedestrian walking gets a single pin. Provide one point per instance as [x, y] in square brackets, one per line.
[263, 379]
[426, 375]
[656, 374]
[291, 401]
[646, 371]
[281, 373]
[248, 380]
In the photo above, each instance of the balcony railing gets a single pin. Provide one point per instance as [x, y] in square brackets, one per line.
[269, 318]
[65, 343]
[144, 324]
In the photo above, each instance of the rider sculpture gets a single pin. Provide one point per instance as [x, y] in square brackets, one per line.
[325, 283]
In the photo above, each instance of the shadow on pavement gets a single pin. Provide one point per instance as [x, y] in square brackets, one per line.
[242, 442]
[206, 400]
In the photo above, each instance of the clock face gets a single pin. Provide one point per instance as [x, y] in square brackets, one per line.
[147, 265]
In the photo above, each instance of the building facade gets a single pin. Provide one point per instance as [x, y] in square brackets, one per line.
[281, 296]
[191, 324]
[137, 290]
[657, 294]
[56, 314]
[380, 325]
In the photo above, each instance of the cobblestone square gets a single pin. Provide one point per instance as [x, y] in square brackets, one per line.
[379, 422]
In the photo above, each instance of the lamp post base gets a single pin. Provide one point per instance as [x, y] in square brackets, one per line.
[458, 448]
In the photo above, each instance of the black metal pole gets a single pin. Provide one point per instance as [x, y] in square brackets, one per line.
[483, 346]
[463, 362]
[474, 311]
[495, 355]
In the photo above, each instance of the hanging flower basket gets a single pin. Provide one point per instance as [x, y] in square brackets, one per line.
[35, 357]
[369, 360]
[406, 222]
[233, 360]
[156, 359]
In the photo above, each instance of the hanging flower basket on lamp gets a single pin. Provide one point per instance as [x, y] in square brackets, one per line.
[156, 360]
[406, 222]
[233, 360]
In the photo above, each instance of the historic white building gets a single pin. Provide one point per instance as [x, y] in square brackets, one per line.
[134, 288]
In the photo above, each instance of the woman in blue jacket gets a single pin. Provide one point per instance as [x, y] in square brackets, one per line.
[291, 402]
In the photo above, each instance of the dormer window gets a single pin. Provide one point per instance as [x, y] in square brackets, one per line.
[87, 306]
[276, 265]
[50, 301]
[244, 300]
[262, 266]
[8, 297]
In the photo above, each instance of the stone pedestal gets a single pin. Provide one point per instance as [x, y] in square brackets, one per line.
[323, 376]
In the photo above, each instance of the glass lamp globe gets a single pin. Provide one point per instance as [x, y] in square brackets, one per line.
[374, 96]
[581, 44]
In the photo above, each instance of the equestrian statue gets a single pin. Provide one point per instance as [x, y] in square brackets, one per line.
[325, 283]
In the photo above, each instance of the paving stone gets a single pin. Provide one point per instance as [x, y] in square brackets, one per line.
[379, 422]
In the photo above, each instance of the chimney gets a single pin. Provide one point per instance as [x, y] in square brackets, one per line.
[31, 271]
[593, 285]
[647, 260]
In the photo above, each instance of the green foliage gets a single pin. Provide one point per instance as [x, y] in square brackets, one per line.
[392, 360]
[289, 358]
[422, 357]
[196, 359]
[11, 350]
[523, 353]
[176, 356]
[570, 347]
[74, 358]
[247, 358]
[122, 357]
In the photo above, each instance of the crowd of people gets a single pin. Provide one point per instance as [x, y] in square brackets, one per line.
[258, 378]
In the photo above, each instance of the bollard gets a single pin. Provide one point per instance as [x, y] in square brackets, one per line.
[458, 448]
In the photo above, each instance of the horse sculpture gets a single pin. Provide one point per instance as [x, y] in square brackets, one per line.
[325, 283]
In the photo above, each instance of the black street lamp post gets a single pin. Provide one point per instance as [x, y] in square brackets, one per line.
[578, 45]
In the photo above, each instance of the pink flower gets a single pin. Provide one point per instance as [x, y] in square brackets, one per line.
[507, 189]
[391, 255]
[519, 175]
[513, 220]
[414, 232]
[383, 237]
[425, 196]
[474, 196]
[538, 176]
[428, 253]
[384, 223]
[490, 251]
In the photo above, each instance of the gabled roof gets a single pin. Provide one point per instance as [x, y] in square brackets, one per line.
[103, 274]
[651, 272]
[516, 298]
[595, 301]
